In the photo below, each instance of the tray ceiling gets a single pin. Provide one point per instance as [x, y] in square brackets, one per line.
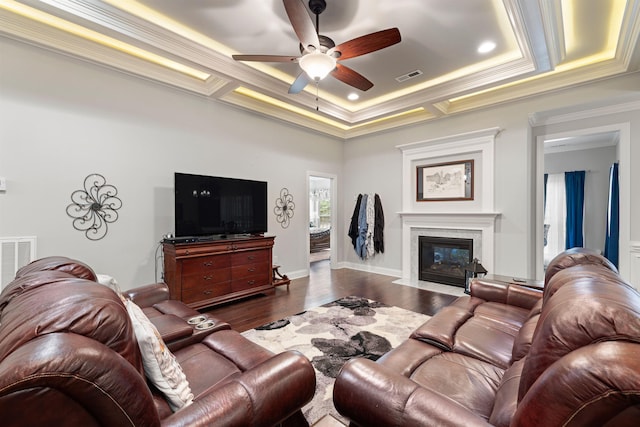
[539, 46]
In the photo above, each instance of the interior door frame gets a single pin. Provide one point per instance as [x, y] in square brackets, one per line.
[624, 155]
[333, 256]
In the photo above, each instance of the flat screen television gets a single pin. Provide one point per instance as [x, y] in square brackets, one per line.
[214, 206]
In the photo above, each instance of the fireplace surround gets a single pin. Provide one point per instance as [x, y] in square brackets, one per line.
[472, 219]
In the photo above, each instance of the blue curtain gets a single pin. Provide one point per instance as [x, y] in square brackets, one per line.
[574, 184]
[613, 217]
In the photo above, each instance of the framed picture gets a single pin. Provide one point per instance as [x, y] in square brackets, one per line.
[445, 181]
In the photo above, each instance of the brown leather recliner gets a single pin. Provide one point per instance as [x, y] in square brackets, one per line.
[69, 356]
[512, 356]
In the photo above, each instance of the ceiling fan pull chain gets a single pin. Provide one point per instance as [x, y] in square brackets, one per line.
[317, 96]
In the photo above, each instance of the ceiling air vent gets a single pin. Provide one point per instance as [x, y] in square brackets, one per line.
[408, 76]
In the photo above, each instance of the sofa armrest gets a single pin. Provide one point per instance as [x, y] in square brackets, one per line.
[270, 393]
[505, 292]
[370, 394]
[148, 295]
[608, 385]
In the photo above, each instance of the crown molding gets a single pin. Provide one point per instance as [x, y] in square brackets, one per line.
[555, 117]
[535, 87]
[551, 12]
[526, 19]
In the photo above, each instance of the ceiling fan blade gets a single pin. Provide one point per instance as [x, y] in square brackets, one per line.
[265, 58]
[300, 83]
[351, 77]
[302, 23]
[369, 43]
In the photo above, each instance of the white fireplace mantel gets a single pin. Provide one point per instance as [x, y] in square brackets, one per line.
[476, 216]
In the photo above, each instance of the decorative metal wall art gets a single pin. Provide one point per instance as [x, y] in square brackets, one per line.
[284, 208]
[94, 207]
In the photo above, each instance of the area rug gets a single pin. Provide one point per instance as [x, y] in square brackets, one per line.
[332, 334]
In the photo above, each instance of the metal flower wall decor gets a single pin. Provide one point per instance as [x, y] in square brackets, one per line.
[284, 208]
[94, 207]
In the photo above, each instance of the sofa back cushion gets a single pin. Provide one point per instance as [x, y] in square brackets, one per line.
[585, 311]
[575, 256]
[569, 275]
[50, 301]
[59, 263]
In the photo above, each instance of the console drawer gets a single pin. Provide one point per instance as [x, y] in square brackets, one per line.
[207, 278]
[205, 264]
[253, 269]
[250, 257]
[205, 292]
[249, 282]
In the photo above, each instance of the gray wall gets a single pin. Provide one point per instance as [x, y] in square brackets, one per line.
[373, 164]
[62, 119]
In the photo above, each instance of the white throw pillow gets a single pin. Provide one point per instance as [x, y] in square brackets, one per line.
[160, 365]
[108, 281]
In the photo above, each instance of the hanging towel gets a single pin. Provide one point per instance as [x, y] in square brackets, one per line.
[361, 242]
[353, 226]
[378, 231]
[371, 223]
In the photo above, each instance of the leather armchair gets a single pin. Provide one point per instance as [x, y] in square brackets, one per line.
[69, 356]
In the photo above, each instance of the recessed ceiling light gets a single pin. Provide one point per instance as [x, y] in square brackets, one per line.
[486, 47]
[353, 96]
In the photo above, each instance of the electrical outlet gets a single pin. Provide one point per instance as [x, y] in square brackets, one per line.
[3, 183]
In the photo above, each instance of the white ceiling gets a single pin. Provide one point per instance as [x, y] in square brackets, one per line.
[541, 45]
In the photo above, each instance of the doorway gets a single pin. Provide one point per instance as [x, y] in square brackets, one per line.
[571, 143]
[321, 218]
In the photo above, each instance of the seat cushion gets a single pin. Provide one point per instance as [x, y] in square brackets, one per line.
[469, 381]
[205, 369]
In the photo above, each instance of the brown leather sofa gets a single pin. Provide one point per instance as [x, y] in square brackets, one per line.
[508, 355]
[69, 357]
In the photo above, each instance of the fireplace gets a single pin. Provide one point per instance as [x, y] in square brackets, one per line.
[443, 259]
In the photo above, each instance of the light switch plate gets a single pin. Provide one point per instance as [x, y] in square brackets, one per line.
[3, 183]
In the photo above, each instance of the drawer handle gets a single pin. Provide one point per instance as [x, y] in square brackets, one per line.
[251, 270]
[208, 277]
[208, 264]
[207, 292]
[251, 282]
[251, 257]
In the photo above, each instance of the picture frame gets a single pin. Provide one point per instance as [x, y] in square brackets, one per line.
[450, 181]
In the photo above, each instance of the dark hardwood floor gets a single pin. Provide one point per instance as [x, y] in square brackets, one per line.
[324, 285]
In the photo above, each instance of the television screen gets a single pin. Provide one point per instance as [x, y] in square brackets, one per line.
[208, 206]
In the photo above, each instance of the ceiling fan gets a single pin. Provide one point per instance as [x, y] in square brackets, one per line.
[319, 54]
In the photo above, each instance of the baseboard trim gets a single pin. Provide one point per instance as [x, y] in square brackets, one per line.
[373, 269]
[297, 274]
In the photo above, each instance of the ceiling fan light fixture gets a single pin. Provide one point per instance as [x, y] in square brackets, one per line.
[317, 65]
